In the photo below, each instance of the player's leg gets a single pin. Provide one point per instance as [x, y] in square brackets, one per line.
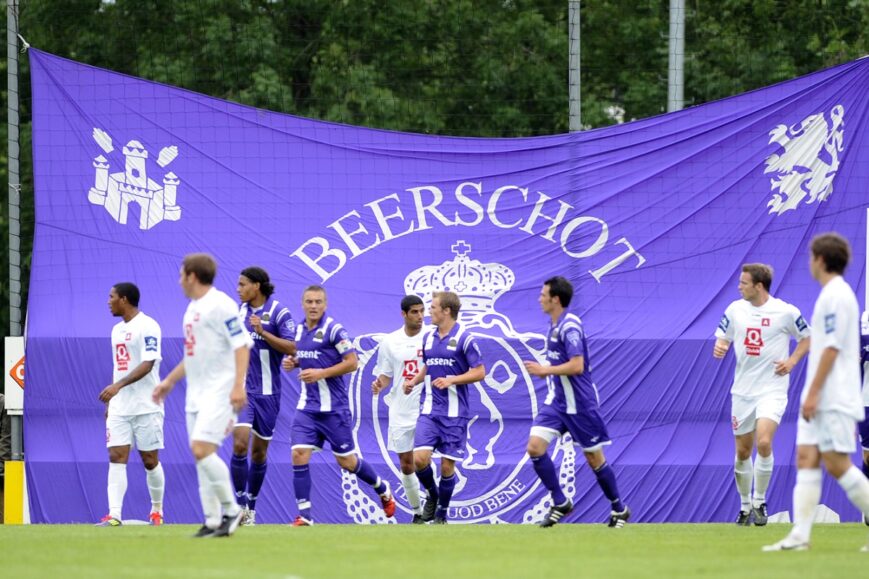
[546, 428]
[266, 413]
[305, 439]
[238, 466]
[424, 440]
[764, 435]
[446, 486]
[743, 420]
[148, 433]
[209, 431]
[401, 442]
[119, 438]
[836, 453]
[340, 436]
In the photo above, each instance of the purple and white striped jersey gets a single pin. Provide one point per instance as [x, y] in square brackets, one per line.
[452, 355]
[264, 371]
[323, 347]
[566, 340]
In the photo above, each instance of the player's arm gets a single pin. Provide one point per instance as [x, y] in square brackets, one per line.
[724, 334]
[168, 383]
[137, 374]
[783, 367]
[474, 374]
[348, 364]
[573, 367]
[283, 342]
[409, 385]
[721, 347]
[381, 382]
[238, 397]
[825, 366]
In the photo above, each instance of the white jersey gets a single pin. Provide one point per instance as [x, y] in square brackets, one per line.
[864, 354]
[400, 358]
[761, 337]
[835, 324]
[134, 342]
[213, 330]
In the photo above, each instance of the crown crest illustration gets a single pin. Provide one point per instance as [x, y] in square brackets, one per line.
[478, 284]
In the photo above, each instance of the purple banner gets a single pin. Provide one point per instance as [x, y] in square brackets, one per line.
[651, 220]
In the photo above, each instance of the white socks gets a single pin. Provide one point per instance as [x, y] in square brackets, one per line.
[743, 471]
[156, 485]
[411, 489]
[117, 488]
[807, 495]
[214, 474]
[762, 474]
[856, 486]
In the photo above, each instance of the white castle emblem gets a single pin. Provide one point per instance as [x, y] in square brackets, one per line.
[489, 486]
[809, 162]
[116, 191]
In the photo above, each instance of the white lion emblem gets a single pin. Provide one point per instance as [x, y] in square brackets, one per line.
[809, 161]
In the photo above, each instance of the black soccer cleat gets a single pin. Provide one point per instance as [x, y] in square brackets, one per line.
[428, 510]
[229, 524]
[417, 520]
[203, 532]
[618, 520]
[760, 515]
[744, 519]
[439, 521]
[556, 513]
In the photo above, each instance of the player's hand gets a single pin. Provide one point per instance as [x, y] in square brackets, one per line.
[376, 386]
[443, 383]
[535, 368]
[720, 349]
[810, 407]
[784, 367]
[109, 392]
[408, 386]
[161, 391]
[238, 398]
[288, 363]
[311, 375]
[256, 323]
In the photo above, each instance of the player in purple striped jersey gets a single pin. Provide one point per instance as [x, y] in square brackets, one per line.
[451, 361]
[864, 366]
[572, 405]
[325, 354]
[272, 330]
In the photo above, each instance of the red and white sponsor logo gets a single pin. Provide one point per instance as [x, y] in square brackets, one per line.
[734, 422]
[128, 337]
[411, 369]
[753, 341]
[122, 357]
[189, 339]
[764, 322]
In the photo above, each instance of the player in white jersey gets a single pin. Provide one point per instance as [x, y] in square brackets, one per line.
[131, 415]
[216, 356]
[831, 402]
[761, 327]
[399, 358]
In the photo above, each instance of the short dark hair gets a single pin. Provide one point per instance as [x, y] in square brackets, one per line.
[314, 288]
[129, 291]
[834, 249]
[561, 288]
[449, 300]
[260, 276]
[202, 266]
[409, 301]
[760, 273]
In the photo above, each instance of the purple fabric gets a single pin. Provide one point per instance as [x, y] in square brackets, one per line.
[545, 469]
[651, 221]
[238, 469]
[255, 480]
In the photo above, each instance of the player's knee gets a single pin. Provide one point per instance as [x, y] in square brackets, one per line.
[764, 446]
[420, 462]
[348, 462]
[535, 448]
[117, 456]
[258, 455]
[239, 447]
[300, 456]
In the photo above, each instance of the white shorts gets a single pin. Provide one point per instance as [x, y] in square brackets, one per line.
[211, 424]
[400, 439]
[829, 431]
[146, 430]
[745, 411]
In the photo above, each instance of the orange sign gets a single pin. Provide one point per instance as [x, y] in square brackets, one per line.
[17, 372]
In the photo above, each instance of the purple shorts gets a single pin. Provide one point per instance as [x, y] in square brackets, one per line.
[586, 427]
[863, 428]
[261, 414]
[442, 434]
[311, 429]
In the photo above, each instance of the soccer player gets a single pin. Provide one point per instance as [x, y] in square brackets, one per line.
[831, 403]
[451, 361]
[131, 415]
[761, 326]
[325, 354]
[864, 366]
[399, 358]
[272, 329]
[572, 405]
[216, 356]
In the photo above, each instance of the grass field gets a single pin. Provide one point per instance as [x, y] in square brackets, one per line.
[451, 552]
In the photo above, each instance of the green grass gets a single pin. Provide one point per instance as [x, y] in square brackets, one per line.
[409, 552]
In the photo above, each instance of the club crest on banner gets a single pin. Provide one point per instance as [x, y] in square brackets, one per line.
[496, 482]
[132, 186]
[809, 162]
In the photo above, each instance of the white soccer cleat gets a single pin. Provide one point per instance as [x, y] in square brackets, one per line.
[787, 544]
[249, 518]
